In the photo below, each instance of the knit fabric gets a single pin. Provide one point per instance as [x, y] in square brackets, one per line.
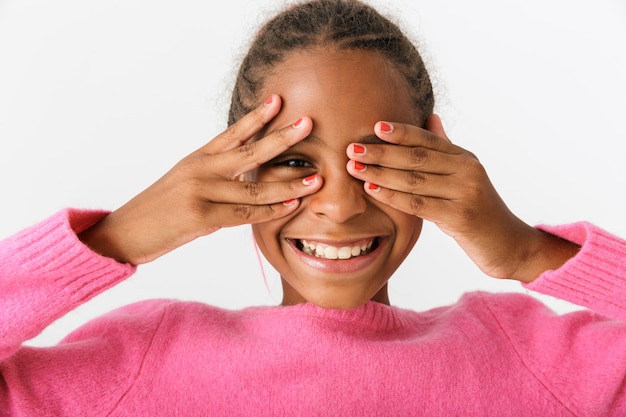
[487, 355]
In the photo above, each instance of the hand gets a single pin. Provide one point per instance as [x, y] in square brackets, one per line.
[205, 192]
[430, 177]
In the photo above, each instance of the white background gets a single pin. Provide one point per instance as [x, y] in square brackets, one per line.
[99, 98]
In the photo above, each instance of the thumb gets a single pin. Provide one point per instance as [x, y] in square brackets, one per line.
[434, 124]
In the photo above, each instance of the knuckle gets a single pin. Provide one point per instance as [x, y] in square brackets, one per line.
[476, 178]
[247, 150]
[272, 212]
[253, 189]
[416, 203]
[283, 135]
[476, 192]
[233, 130]
[432, 140]
[418, 156]
[415, 178]
[467, 214]
[243, 211]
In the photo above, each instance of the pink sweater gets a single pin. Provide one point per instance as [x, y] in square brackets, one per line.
[487, 355]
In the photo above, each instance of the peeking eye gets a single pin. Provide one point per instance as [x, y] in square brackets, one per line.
[294, 163]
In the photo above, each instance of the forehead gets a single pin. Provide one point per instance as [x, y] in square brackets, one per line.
[342, 89]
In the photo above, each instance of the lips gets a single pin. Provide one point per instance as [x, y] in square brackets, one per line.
[351, 264]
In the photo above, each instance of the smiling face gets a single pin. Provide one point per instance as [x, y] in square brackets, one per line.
[339, 248]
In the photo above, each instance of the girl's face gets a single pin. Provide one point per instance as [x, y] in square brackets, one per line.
[339, 248]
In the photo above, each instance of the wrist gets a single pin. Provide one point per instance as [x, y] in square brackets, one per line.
[100, 239]
[547, 252]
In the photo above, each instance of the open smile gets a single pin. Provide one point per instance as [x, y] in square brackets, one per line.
[344, 251]
[338, 257]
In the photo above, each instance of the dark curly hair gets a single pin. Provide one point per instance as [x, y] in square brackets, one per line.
[344, 24]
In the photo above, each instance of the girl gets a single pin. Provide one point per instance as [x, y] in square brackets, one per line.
[335, 158]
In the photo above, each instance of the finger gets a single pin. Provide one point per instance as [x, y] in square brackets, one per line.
[228, 215]
[251, 155]
[260, 193]
[409, 135]
[414, 158]
[428, 208]
[248, 126]
[409, 182]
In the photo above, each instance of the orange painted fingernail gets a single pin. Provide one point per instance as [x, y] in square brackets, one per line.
[373, 187]
[297, 123]
[358, 149]
[269, 100]
[310, 180]
[386, 127]
[290, 202]
[359, 166]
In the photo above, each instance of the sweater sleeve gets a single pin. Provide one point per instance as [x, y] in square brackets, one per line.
[595, 278]
[45, 272]
[579, 357]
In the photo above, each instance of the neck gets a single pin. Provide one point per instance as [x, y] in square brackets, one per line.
[293, 297]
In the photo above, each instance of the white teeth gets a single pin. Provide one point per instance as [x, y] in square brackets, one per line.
[332, 252]
[345, 253]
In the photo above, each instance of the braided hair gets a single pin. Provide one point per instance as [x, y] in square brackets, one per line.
[344, 24]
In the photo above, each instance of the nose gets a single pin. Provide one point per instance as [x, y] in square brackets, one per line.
[340, 199]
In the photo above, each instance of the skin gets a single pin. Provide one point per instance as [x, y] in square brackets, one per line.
[344, 94]
[202, 193]
[405, 174]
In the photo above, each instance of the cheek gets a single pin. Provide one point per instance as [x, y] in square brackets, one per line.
[267, 236]
[408, 228]
[261, 233]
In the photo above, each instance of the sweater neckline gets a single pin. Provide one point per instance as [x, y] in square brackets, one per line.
[372, 314]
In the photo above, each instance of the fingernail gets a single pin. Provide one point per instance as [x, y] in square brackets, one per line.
[373, 187]
[385, 127]
[290, 202]
[269, 100]
[297, 123]
[358, 166]
[310, 180]
[358, 149]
